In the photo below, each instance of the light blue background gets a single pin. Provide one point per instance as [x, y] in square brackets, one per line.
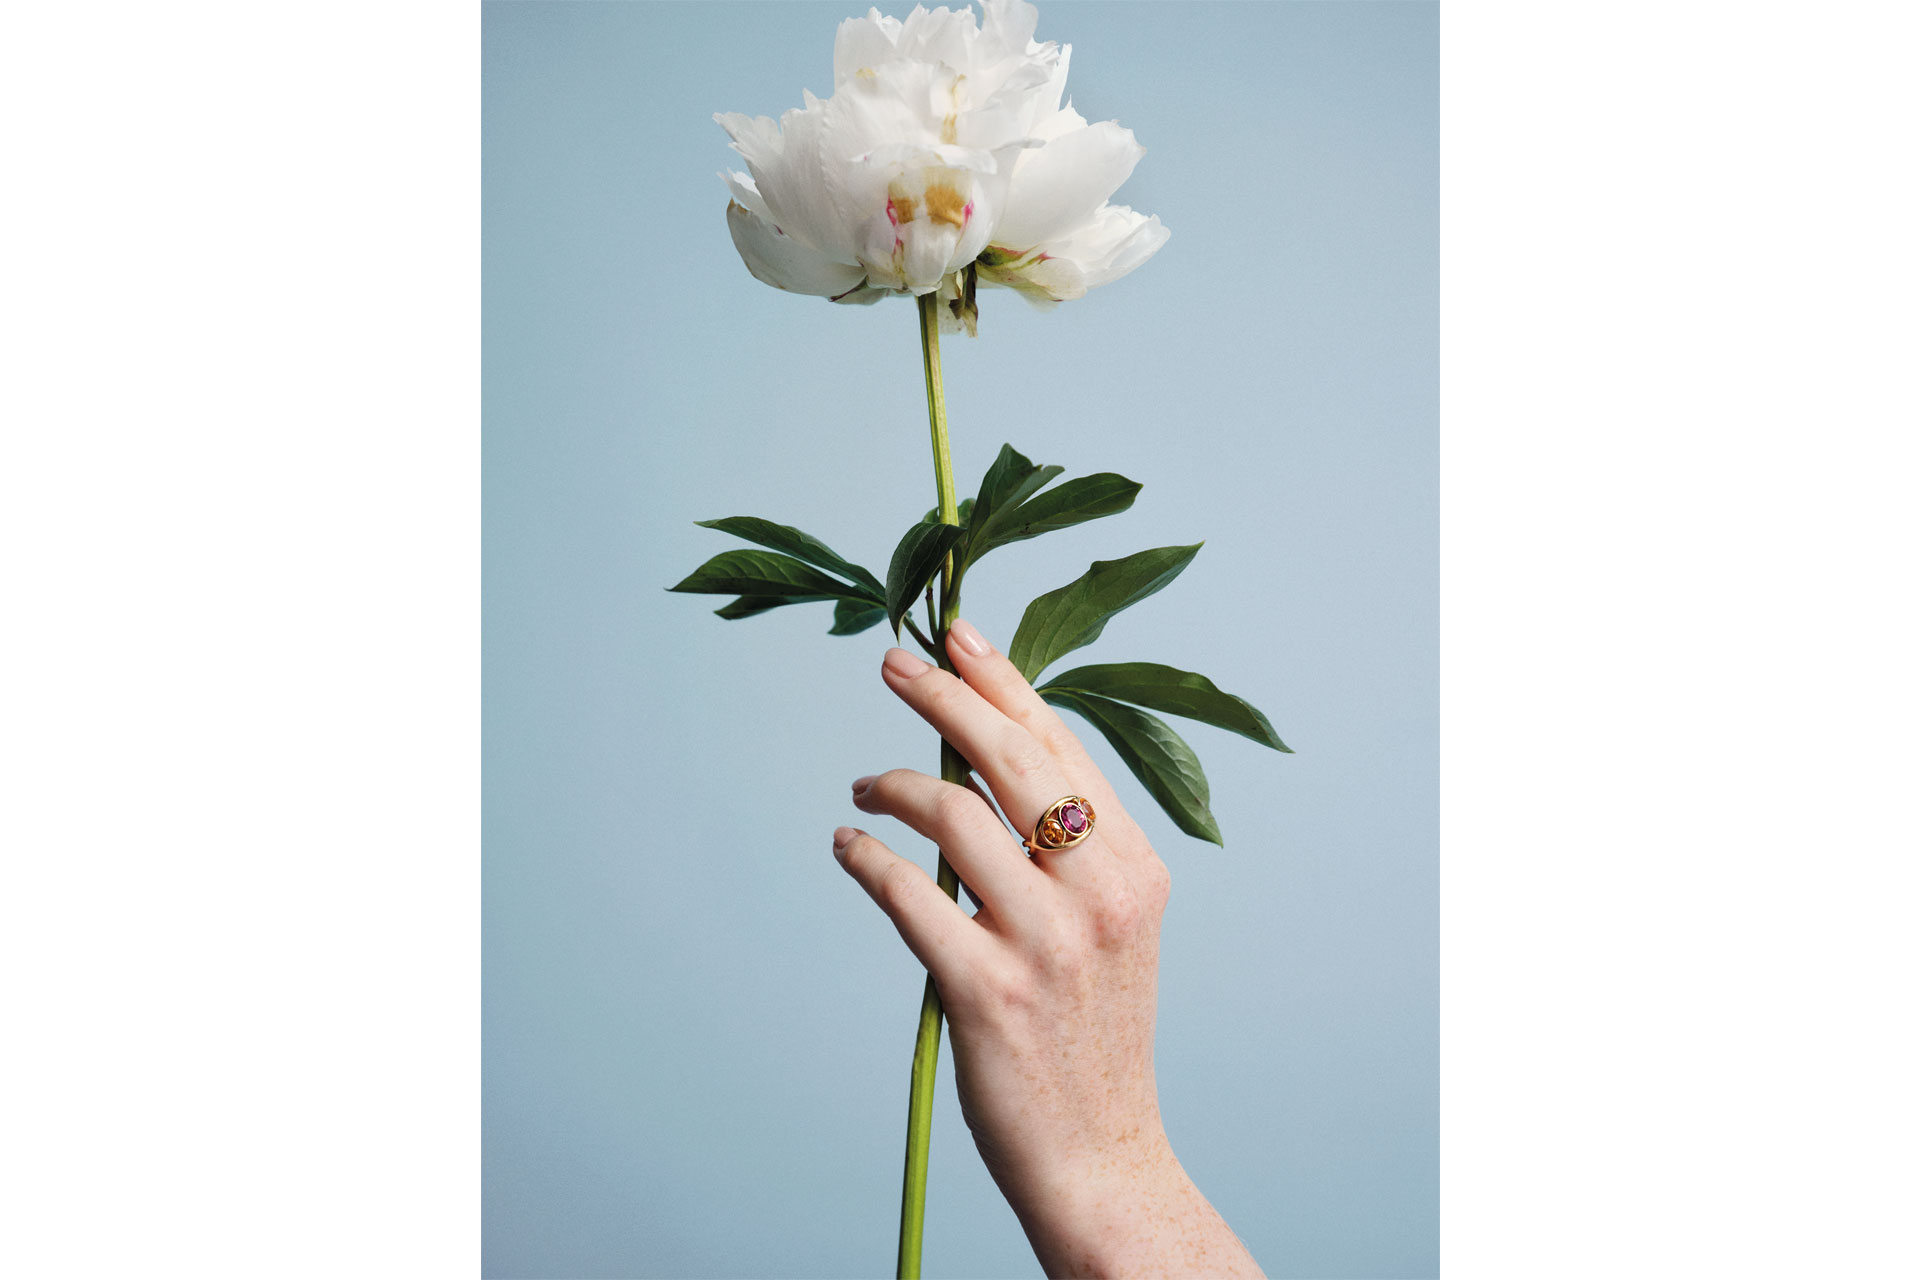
[697, 1028]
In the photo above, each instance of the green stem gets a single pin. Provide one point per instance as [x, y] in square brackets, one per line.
[933, 650]
[937, 408]
[953, 768]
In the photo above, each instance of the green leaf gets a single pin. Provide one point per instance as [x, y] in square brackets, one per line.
[801, 546]
[1075, 502]
[1068, 617]
[1157, 755]
[1176, 692]
[915, 561]
[762, 573]
[748, 606]
[966, 513]
[851, 617]
[1010, 481]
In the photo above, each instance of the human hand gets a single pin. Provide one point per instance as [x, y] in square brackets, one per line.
[1050, 987]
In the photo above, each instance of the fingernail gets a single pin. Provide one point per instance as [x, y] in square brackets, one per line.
[904, 665]
[970, 640]
[860, 785]
[842, 837]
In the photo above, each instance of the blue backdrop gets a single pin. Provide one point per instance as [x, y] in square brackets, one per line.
[697, 1028]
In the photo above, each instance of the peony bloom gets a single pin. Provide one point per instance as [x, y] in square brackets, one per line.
[944, 146]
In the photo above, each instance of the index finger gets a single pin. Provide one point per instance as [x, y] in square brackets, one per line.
[1022, 773]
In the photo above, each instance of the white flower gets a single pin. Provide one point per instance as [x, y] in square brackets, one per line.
[943, 146]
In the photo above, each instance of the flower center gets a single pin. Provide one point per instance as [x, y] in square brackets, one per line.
[946, 204]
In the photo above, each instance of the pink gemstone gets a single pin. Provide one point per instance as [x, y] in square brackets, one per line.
[1074, 819]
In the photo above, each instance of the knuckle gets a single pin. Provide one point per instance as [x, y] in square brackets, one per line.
[887, 786]
[1117, 913]
[1011, 989]
[1058, 739]
[896, 887]
[1158, 883]
[985, 995]
[1026, 757]
[941, 694]
[995, 986]
[953, 807]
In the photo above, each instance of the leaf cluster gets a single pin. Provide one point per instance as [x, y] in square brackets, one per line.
[1014, 504]
[799, 569]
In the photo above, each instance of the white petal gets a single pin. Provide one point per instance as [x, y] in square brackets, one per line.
[1111, 243]
[937, 100]
[756, 138]
[785, 263]
[998, 115]
[1048, 280]
[924, 230]
[745, 193]
[986, 200]
[1058, 186]
[750, 134]
[786, 163]
[939, 35]
[900, 102]
[1058, 125]
[1141, 242]
[763, 145]
[874, 128]
[1049, 102]
[882, 251]
[1008, 25]
[977, 233]
[928, 254]
[1102, 249]
[864, 43]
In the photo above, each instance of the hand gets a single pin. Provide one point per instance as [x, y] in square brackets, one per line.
[1049, 988]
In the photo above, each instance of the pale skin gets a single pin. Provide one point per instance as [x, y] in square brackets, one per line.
[1049, 988]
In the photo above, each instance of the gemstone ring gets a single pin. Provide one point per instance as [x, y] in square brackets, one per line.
[1067, 822]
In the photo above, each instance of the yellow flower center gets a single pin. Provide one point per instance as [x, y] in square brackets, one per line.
[946, 204]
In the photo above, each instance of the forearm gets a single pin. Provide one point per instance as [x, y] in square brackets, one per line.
[1140, 1217]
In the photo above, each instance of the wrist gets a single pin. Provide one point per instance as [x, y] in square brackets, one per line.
[1107, 1213]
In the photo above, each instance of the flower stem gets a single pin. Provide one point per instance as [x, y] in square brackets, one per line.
[937, 409]
[953, 768]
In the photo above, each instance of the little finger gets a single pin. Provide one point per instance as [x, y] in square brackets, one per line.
[944, 939]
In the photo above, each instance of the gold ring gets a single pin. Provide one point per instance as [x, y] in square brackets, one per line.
[1067, 822]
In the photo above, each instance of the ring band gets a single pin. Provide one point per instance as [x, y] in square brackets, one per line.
[1067, 822]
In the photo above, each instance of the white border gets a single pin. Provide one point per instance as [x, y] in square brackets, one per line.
[240, 513]
[1678, 641]
[241, 574]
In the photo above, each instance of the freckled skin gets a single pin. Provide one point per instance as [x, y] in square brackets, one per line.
[1050, 987]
